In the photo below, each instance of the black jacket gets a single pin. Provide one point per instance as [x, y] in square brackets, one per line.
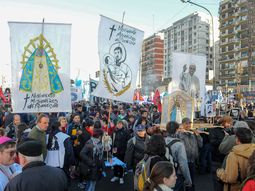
[120, 139]
[135, 152]
[91, 164]
[216, 135]
[40, 177]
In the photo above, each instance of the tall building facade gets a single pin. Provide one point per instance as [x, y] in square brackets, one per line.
[190, 34]
[237, 45]
[152, 63]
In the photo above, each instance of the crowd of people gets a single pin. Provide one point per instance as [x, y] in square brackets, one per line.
[47, 151]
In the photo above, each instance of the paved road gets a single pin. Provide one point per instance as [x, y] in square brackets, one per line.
[202, 183]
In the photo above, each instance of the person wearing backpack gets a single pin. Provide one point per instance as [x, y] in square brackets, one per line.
[136, 147]
[162, 177]
[155, 151]
[179, 156]
[192, 142]
[237, 161]
[249, 183]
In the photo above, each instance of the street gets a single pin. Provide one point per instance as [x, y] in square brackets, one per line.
[202, 182]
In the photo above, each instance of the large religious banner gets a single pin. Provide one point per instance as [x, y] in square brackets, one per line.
[176, 106]
[188, 74]
[40, 56]
[119, 52]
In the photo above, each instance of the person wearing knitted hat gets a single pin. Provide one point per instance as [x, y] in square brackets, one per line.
[35, 174]
[8, 169]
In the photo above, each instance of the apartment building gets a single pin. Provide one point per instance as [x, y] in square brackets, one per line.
[190, 34]
[152, 63]
[237, 46]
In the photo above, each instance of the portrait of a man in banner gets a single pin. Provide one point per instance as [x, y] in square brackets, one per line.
[40, 68]
[117, 74]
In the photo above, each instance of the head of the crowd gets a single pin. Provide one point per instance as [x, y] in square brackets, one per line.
[30, 151]
[7, 151]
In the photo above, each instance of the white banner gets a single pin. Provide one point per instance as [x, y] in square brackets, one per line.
[40, 67]
[76, 94]
[210, 109]
[188, 74]
[119, 53]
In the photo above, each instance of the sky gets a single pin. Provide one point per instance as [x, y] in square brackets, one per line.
[84, 15]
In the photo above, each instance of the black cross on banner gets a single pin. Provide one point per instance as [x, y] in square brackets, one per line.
[112, 29]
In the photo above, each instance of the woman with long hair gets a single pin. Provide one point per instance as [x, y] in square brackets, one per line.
[162, 177]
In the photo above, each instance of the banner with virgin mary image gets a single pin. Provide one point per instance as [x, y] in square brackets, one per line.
[119, 52]
[40, 57]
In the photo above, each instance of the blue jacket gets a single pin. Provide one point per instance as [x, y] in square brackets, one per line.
[179, 155]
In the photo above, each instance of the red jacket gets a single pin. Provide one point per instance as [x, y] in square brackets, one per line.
[249, 185]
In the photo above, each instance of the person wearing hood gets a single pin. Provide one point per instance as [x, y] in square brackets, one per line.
[229, 141]
[237, 161]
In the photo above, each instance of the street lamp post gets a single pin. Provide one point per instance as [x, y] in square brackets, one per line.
[214, 53]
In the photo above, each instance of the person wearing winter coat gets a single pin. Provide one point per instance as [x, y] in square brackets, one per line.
[59, 149]
[192, 141]
[179, 155]
[229, 141]
[136, 147]
[92, 162]
[35, 174]
[12, 128]
[120, 139]
[237, 161]
[162, 177]
[249, 183]
[216, 135]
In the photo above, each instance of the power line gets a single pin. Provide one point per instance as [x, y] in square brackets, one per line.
[169, 20]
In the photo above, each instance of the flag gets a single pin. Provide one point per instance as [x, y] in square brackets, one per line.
[2, 97]
[40, 56]
[119, 54]
[76, 94]
[156, 100]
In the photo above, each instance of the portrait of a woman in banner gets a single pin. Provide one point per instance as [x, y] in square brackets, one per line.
[40, 68]
[177, 106]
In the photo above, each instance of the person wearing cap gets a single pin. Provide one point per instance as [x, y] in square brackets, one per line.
[35, 174]
[136, 147]
[8, 168]
[39, 132]
[229, 141]
[192, 141]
